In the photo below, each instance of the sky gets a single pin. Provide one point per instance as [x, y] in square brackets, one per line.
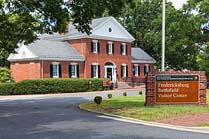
[178, 3]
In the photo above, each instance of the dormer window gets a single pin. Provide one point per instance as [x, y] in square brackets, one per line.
[110, 48]
[95, 46]
[123, 49]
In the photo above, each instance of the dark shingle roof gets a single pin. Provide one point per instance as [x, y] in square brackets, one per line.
[55, 50]
[140, 56]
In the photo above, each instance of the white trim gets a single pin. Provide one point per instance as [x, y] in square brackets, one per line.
[93, 37]
[73, 64]
[57, 69]
[95, 64]
[110, 48]
[55, 63]
[124, 72]
[136, 70]
[118, 24]
[143, 61]
[124, 46]
[31, 63]
[97, 72]
[95, 46]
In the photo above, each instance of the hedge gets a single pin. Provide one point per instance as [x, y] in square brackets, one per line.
[51, 86]
[7, 88]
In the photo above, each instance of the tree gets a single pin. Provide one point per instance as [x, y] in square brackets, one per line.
[23, 20]
[183, 32]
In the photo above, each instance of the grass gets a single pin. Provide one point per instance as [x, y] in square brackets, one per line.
[133, 106]
[204, 124]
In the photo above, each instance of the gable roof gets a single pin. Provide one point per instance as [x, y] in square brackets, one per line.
[140, 56]
[47, 50]
[98, 32]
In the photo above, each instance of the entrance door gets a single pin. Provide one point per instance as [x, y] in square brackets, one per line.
[110, 71]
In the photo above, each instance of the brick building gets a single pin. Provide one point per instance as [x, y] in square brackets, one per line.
[106, 53]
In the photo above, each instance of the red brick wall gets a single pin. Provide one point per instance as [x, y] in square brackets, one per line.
[25, 70]
[150, 85]
[65, 68]
[142, 75]
[84, 47]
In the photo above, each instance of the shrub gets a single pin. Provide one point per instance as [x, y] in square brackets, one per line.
[109, 96]
[98, 100]
[124, 94]
[5, 75]
[7, 88]
[140, 92]
[52, 86]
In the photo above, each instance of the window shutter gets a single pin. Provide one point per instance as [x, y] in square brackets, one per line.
[121, 70]
[51, 71]
[91, 71]
[98, 47]
[98, 71]
[126, 49]
[138, 70]
[121, 49]
[144, 70]
[107, 48]
[126, 71]
[77, 71]
[60, 71]
[69, 70]
[92, 44]
[113, 48]
[134, 71]
[149, 68]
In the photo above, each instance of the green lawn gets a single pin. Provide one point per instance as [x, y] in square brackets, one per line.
[133, 106]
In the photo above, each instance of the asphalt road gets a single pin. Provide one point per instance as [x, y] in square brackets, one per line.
[58, 117]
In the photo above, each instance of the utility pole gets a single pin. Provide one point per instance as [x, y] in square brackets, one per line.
[163, 37]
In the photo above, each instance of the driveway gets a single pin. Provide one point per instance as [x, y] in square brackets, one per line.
[58, 117]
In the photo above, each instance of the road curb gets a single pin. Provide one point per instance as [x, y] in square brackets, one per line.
[152, 124]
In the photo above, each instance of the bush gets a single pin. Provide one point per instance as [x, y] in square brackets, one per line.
[109, 96]
[5, 75]
[98, 100]
[52, 86]
[140, 92]
[7, 88]
[124, 94]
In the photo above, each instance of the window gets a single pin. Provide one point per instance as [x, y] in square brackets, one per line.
[95, 70]
[55, 70]
[146, 69]
[136, 70]
[124, 70]
[110, 48]
[95, 46]
[123, 49]
[73, 69]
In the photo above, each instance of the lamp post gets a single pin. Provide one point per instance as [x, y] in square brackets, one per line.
[163, 37]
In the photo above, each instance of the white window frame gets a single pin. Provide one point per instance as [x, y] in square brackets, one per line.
[95, 46]
[136, 70]
[146, 68]
[96, 70]
[73, 64]
[56, 70]
[124, 71]
[110, 47]
[124, 48]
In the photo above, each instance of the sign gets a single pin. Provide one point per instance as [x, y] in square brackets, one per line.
[177, 89]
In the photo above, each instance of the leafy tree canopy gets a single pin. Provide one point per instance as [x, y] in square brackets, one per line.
[22, 20]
